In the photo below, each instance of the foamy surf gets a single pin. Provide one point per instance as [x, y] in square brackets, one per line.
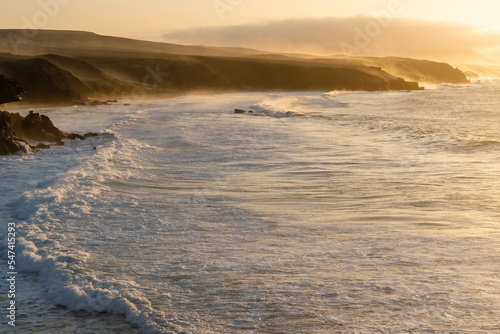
[278, 107]
[63, 272]
[188, 218]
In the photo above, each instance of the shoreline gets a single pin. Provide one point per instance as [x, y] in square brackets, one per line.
[124, 100]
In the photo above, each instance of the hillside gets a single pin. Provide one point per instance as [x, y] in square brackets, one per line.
[422, 71]
[64, 67]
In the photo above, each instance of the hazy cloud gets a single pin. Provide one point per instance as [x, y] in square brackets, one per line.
[356, 35]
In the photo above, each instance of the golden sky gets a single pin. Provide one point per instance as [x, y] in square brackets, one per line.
[149, 18]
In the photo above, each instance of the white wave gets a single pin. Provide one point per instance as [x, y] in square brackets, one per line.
[25, 148]
[43, 249]
[447, 86]
[58, 274]
[96, 169]
[278, 107]
[63, 272]
[334, 93]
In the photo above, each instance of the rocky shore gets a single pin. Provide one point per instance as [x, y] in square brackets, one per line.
[17, 132]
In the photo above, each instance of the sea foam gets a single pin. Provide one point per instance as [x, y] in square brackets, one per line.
[64, 272]
[279, 107]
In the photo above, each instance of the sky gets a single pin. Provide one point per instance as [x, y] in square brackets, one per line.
[149, 18]
[188, 21]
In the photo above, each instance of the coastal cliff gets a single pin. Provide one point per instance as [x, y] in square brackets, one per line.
[63, 68]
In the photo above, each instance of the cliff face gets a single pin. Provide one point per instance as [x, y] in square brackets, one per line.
[63, 67]
[422, 71]
[44, 81]
[54, 79]
[10, 90]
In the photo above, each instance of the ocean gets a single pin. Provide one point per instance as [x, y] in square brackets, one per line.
[319, 212]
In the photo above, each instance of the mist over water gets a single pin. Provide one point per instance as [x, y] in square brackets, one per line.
[318, 212]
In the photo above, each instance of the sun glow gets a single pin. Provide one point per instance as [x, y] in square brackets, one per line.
[134, 19]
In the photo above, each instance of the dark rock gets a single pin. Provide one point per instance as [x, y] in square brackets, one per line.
[91, 134]
[6, 130]
[42, 146]
[8, 137]
[15, 129]
[10, 91]
[8, 146]
[9, 142]
[74, 136]
[239, 111]
[40, 128]
[11, 146]
[98, 103]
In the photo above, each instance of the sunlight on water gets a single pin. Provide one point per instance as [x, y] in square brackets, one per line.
[333, 213]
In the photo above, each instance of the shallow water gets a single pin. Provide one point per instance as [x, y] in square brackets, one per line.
[318, 213]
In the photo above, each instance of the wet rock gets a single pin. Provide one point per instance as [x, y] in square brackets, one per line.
[42, 146]
[40, 128]
[74, 136]
[91, 134]
[98, 103]
[10, 143]
[16, 130]
[239, 111]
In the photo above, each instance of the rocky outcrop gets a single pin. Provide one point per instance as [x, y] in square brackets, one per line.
[9, 141]
[42, 146]
[40, 128]
[241, 111]
[90, 134]
[74, 136]
[16, 131]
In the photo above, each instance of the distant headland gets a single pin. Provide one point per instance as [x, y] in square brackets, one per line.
[45, 67]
